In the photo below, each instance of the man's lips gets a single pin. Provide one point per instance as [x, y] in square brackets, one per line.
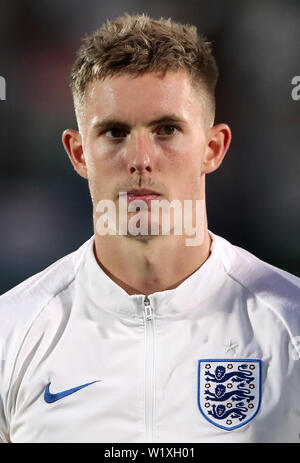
[142, 194]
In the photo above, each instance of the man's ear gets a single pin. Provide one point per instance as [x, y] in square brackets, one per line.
[73, 145]
[219, 137]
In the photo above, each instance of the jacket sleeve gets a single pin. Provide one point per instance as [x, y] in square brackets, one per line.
[4, 434]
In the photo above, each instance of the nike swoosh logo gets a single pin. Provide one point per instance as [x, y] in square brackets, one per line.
[50, 398]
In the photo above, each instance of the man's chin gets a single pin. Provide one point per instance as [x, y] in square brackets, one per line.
[141, 238]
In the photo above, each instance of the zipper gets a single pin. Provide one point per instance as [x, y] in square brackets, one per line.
[149, 369]
[148, 308]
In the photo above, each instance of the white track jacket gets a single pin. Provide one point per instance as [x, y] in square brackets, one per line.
[214, 360]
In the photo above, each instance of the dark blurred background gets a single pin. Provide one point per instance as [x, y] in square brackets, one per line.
[253, 199]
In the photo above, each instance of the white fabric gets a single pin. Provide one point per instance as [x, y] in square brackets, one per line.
[71, 325]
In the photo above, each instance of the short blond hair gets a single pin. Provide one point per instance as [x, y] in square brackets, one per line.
[138, 44]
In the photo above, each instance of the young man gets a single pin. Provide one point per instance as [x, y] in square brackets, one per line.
[144, 334]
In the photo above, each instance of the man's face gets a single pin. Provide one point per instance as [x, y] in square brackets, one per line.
[145, 132]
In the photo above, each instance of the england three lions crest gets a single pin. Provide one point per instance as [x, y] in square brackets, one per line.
[229, 391]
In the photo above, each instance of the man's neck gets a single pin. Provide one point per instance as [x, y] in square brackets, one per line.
[159, 264]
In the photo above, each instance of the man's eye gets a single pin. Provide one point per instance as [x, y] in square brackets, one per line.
[115, 132]
[166, 130]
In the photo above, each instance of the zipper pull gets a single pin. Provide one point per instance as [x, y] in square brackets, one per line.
[148, 310]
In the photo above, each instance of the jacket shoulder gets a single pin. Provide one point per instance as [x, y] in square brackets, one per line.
[274, 288]
[22, 304]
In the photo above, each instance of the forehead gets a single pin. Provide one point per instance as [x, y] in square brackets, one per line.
[142, 97]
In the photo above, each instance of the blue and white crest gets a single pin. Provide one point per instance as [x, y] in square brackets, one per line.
[229, 391]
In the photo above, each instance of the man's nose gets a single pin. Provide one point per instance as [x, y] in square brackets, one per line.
[140, 155]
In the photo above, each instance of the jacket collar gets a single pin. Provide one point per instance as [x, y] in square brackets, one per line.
[107, 295]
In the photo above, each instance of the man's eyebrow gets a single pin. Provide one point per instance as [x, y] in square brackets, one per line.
[107, 123]
[112, 122]
[167, 119]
